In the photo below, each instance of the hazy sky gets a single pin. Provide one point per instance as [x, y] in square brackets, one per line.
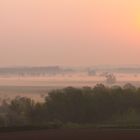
[69, 32]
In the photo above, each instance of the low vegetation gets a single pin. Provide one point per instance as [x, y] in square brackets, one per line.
[76, 107]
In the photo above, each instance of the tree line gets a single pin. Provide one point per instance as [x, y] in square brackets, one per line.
[97, 105]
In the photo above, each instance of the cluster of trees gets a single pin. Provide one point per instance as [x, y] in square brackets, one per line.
[98, 105]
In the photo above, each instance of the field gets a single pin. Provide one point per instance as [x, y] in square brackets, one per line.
[73, 134]
[36, 93]
[38, 87]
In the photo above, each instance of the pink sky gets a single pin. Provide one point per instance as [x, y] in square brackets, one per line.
[69, 32]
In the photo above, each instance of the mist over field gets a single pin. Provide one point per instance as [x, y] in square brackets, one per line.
[71, 43]
[36, 82]
[69, 64]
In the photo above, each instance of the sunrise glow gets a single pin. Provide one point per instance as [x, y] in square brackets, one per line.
[56, 31]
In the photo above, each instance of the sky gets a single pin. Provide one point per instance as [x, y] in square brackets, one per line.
[69, 32]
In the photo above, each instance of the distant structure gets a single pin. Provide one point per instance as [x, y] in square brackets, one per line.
[110, 79]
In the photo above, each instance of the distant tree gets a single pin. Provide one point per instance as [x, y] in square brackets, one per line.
[129, 86]
[20, 112]
[110, 79]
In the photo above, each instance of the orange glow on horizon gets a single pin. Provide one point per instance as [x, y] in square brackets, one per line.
[137, 22]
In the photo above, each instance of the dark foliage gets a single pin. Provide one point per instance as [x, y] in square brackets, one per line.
[98, 105]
